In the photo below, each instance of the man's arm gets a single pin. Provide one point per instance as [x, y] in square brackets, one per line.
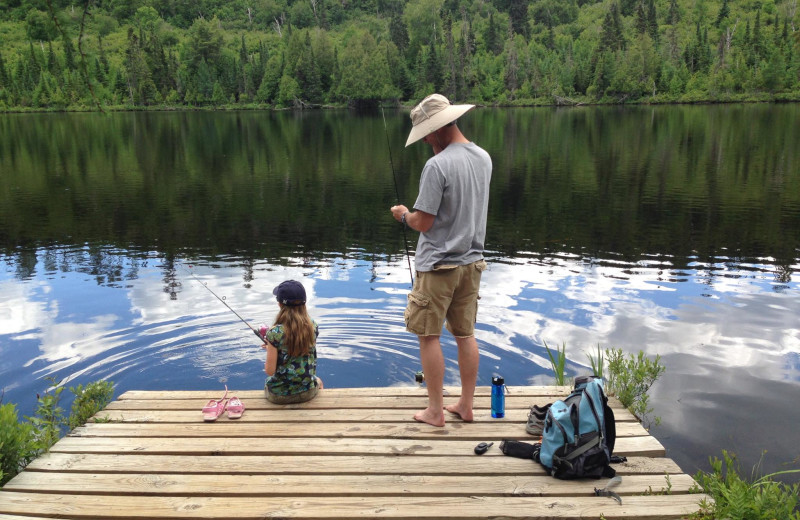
[416, 220]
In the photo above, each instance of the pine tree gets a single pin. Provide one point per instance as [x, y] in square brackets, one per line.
[603, 73]
[141, 89]
[491, 38]
[723, 14]
[652, 21]
[674, 14]
[103, 58]
[119, 85]
[627, 7]
[433, 68]
[757, 42]
[611, 37]
[746, 39]
[218, 95]
[785, 34]
[398, 33]
[69, 54]
[518, 15]
[203, 83]
[4, 78]
[307, 73]
[244, 70]
[467, 35]
[34, 64]
[52, 62]
[268, 89]
[641, 18]
[244, 57]
[511, 73]
[98, 72]
[698, 53]
[452, 70]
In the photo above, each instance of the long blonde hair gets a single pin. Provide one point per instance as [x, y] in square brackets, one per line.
[298, 329]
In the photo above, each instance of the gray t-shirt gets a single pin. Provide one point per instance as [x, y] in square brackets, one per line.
[455, 187]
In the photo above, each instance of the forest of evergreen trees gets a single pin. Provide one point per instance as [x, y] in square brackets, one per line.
[59, 54]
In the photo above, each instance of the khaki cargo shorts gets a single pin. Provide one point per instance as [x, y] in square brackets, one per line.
[449, 292]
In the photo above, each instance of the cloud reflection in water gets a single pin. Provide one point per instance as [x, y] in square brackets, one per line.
[723, 333]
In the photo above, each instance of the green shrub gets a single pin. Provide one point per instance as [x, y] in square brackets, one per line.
[21, 442]
[629, 379]
[49, 418]
[88, 401]
[17, 447]
[737, 499]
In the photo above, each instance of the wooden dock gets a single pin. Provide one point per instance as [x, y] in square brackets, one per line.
[349, 453]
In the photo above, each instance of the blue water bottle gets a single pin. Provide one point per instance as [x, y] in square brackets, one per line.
[498, 397]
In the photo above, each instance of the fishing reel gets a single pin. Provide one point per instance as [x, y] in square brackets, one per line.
[261, 332]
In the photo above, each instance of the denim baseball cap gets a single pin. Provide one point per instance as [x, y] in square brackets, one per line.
[290, 293]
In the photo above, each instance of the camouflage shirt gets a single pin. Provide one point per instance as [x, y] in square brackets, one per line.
[293, 374]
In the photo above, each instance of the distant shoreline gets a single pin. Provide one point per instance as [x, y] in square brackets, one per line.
[784, 98]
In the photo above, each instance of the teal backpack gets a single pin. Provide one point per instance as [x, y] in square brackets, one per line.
[579, 433]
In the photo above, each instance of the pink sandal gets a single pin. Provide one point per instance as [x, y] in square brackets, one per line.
[214, 408]
[235, 408]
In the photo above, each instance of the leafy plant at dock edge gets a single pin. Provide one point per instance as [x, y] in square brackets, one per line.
[559, 364]
[22, 442]
[49, 417]
[17, 447]
[629, 379]
[738, 499]
[88, 401]
[597, 362]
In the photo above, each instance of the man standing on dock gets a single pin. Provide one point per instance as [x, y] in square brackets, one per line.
[450, 214]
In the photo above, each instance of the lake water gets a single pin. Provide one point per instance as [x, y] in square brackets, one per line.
[671, 230]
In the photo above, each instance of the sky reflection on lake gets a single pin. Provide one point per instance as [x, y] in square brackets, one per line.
[726, 338]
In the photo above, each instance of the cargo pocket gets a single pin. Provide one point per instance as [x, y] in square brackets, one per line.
[416, 313]
[480, 266]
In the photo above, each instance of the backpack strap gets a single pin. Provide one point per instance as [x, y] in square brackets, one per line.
[582, 449]
[605, 492]
[518, 449]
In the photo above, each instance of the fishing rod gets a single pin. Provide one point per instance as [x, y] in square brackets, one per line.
[397, 193]
[204, 284]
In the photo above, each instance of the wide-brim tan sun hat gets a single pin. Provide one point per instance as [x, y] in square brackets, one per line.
[434, 112]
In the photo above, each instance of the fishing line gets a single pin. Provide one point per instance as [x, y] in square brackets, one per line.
[204, 284]
[397, 193]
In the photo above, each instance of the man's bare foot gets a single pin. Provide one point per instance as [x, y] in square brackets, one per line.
[466, 415]
[430, 417]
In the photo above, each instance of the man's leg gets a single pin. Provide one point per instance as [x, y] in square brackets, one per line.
[430, 353]
[468, 360]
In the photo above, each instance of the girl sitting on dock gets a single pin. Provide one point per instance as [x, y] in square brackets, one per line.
[291, 364]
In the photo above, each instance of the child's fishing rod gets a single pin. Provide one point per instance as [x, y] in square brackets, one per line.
[397, 193]
[204, 284]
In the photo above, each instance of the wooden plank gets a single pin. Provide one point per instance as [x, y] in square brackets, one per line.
[645, 446]
[555, 392]
[320, 464]
[16, 517]
[336, 402]
[482, 431]
[333, 508]
[336, 485]
[307, 415]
